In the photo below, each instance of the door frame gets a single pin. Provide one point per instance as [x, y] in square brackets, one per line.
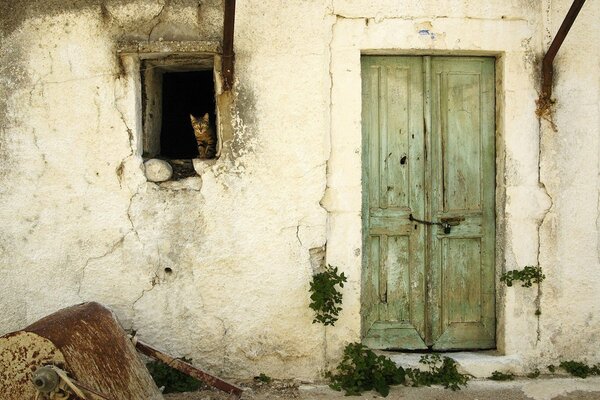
[521, 202]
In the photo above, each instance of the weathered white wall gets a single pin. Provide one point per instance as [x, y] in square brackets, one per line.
[570, 252]
[80, 222]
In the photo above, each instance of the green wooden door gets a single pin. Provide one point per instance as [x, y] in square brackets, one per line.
[428, 202]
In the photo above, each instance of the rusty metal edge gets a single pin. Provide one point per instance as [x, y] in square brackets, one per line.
[188, 369]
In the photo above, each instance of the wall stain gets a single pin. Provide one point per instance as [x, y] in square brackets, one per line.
[244, 121]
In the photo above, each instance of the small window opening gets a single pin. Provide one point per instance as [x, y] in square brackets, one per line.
[185, 94]
[179, 112]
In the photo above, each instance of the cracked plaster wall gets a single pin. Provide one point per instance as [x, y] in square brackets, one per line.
[80, 222]
[570, 242]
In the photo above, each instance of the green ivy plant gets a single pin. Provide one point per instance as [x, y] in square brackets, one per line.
[325, 296]
[361, 370]
[171, 379]
[440, 371]
[263, 378]
[502, 376]
[580, 369]
[534, 374]
[528, 276]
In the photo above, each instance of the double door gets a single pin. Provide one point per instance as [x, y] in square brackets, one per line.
[428, 202]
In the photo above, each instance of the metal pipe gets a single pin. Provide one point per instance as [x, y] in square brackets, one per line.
[228, 55]
[547, 70]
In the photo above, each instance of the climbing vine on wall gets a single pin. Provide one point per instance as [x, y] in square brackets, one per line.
[325, 296]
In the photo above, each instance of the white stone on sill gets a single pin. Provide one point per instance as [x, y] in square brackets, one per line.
[158, 170]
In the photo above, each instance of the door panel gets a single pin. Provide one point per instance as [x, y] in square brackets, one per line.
[424, 286]
[393, 290]
[463, 161]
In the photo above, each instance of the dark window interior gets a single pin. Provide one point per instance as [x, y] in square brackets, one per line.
[184, 93]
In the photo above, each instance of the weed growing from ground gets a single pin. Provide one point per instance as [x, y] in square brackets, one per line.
[580, 369]
[361, 370]
[263, 378]
[501, 376]
[441, 371]
[534, 374]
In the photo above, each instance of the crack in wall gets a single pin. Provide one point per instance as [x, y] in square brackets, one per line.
[155, 281]
[158, 17]
[129, 130]
[223, 338]
[540, 223]
[42, 154]
[330, 151]
[120, 169]
[298, 235]
[39, 87]
[296, 227]
[98, 109]
[541, 129]
[111, 250]
[37, 83]
[380, 18]
[130, 219]
[78, 79]
[331, 9]
[310, 170]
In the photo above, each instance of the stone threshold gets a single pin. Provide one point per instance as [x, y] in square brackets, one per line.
[479, 364]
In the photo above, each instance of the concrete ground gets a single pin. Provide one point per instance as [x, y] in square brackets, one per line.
[543, 388]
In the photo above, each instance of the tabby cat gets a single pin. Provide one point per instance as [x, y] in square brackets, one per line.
[205, 136]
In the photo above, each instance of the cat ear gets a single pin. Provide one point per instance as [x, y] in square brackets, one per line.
[193, 119]
[205, 118]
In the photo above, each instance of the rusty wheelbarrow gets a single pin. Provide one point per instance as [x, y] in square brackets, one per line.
[81, 352]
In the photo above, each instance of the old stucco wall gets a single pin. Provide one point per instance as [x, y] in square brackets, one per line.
[80, 222]
[570, 247]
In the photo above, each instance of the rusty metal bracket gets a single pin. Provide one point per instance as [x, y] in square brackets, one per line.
[228, 56]
[547, 69]
[188, 369]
